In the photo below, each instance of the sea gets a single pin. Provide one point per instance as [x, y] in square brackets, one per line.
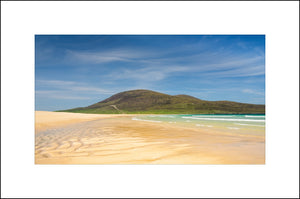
[228, 123]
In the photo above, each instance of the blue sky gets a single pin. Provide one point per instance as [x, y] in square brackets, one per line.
[79, 70]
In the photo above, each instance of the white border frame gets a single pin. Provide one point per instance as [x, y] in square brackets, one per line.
[279, 21]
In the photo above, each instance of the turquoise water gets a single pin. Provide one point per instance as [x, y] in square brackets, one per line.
[249, 124]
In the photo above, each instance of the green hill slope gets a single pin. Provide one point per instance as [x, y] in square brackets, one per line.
[146, 101]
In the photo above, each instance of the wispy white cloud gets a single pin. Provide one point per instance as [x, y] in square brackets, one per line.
[251, 91]
[125, 55]
[239, 67]
[59, 89]
[70, 85]
[141, 55]
[238, 72]
[55, 82]
[158, 65]
[89, 89]
[59, 95]
[235, 62]
[146, 74]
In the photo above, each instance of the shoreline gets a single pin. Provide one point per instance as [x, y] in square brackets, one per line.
[74, 138]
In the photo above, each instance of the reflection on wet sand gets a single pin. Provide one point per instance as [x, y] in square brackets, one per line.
[117, 139]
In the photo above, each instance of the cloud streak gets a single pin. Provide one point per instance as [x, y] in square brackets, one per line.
[114, 55]
[59, 95]
[146, 73]
[158, 66]
[251, 91]
[59, 89]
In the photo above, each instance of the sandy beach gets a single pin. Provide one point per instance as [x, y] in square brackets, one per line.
[45, 119]
[73, 138]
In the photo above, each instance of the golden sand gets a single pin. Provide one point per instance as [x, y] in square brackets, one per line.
[72, 138]
[46, 119]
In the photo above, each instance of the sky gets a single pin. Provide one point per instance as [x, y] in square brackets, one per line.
[79, 70]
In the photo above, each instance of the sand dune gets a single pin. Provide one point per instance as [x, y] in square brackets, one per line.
[72, 138]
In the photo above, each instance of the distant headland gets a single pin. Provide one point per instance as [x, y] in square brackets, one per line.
[147, 101]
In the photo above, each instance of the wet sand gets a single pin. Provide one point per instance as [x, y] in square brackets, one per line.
[45, 119]
[72, 138]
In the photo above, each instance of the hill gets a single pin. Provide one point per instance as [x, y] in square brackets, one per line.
[146, 101]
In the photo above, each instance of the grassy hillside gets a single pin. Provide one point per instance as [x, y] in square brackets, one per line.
[146, 101]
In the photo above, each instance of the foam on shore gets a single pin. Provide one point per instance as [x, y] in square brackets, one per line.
[222, 119]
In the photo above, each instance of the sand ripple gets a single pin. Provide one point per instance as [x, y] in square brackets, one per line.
[123, 141]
